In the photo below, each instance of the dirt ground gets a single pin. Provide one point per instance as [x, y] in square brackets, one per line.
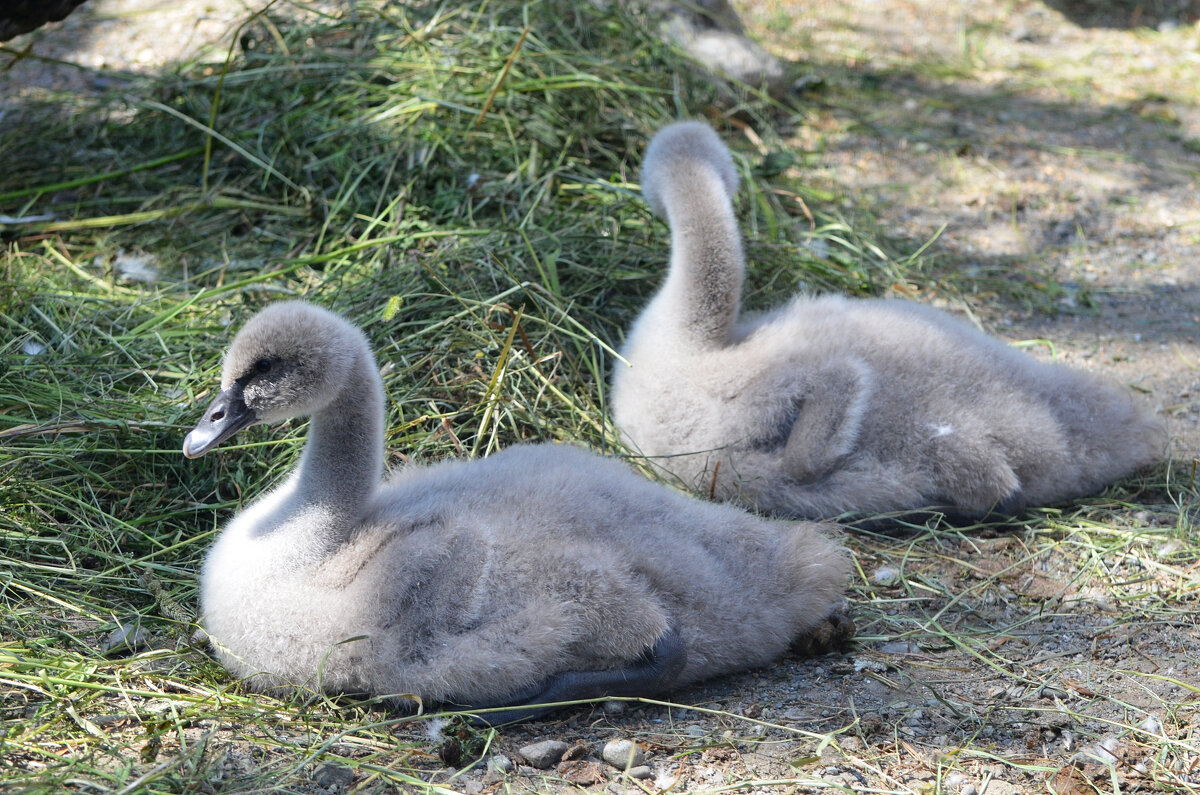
[1087, 171]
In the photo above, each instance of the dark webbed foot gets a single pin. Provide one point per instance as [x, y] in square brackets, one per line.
[655, 671]
[834, 634]
[1011, 507]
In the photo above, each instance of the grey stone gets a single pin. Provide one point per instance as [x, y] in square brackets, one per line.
[641, 771]
[622, 754]
[544, 754]
[128, 638]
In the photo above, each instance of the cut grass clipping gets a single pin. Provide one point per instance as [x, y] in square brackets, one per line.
[458, 179]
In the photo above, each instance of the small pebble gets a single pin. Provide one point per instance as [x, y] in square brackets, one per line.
[501, 763]
[128, 638]
[545, 754]
[622, 754]
[641, 771]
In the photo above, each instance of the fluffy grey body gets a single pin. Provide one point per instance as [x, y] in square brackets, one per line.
[826, 405]
[540, 573]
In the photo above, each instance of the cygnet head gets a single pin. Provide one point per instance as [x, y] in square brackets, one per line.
[684, 145]
[289, 360]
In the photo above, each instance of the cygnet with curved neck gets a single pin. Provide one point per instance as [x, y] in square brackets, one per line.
[827, 406]
[540, 574]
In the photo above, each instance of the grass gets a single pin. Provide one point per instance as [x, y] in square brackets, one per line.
[461, 181]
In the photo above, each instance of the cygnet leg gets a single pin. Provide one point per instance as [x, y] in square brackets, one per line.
[1011, 507]
[653, 672]
[835, 633]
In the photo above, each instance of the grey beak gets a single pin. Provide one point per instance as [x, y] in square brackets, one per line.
[227, 415]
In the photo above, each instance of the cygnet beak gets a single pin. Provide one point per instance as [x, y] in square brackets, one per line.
[227, 415]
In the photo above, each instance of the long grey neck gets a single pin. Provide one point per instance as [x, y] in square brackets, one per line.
[342, 463]
[704, 286]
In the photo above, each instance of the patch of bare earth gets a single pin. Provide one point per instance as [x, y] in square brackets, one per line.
[104, 41]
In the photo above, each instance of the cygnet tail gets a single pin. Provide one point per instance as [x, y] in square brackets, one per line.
[819, 569]
[1110, 432]
[689, 180]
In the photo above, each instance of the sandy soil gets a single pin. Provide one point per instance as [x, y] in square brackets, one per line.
[117, 37]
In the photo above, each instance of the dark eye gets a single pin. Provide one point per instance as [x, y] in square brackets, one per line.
[262, 366]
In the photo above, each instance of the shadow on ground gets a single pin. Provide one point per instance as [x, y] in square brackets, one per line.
[1126, 14]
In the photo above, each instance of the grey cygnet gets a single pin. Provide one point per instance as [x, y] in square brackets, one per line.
[540, 574]
[828, 405]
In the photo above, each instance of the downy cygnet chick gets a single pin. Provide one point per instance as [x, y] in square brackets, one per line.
[543, 573]
[827, 405]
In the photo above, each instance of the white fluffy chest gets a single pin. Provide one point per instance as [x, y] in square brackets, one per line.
[266, 609]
